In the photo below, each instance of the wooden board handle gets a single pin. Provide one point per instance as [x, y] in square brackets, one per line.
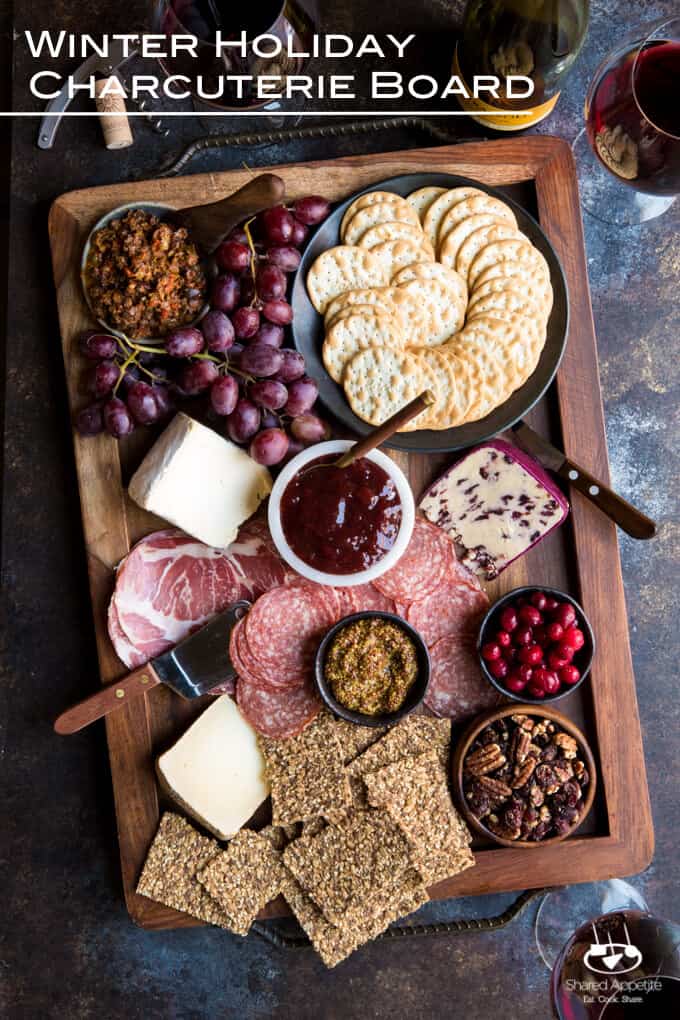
[629, 518]
[108, 699]
[209, 224]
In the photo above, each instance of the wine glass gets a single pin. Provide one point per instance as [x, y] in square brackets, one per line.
[629, 151]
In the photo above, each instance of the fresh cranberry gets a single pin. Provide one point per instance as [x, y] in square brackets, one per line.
[539, 600]
[554, 631]
[555, 660]
[551, 604]
[498, 669]
[521, 600]
[491, 651]
[510, 654]
[565, 614]
[574, 638]
[531, 616]
[503, 639]
[532, 655]
[540, 636]
[535, 691]
[551, 683]
[515, 683]
[569, 675]
[539, 677]
[525, 672]
[523, 636]
[509, 619]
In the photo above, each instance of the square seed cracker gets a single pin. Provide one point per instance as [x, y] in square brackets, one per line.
[415, 735]
[415, 793]
[306, 774]
[347, 869]
[244, 878]
[279, 836]
[177, 853]
[355, 739]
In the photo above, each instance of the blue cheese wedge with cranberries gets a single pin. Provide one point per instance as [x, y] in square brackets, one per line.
[495, 503]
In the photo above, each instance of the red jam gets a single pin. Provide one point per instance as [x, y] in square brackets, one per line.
[341, 520]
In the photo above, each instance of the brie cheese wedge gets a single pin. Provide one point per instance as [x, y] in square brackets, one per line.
[202, 483]
[216, 771]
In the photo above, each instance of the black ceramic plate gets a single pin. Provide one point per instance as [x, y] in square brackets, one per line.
[308, 327]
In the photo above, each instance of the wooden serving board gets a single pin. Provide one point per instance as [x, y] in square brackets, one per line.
[581, 557]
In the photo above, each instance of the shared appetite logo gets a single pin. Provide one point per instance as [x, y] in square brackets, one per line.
[612, 957]
[235, 70]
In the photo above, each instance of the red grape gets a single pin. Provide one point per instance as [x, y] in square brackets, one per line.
[308, 429]
[292, 366]
[235, 352]
[142, 402]
[269, 446]
[226, 293]
[311, 210]
[270, 420]
[97, 346]
[218, 330]
[269, 334]
[224, 394]
[164, 401]
[233, 256]
[277, 224]
[268, 393]
[271, 283]
[237, 234]
[299, 234]
[182, 343]
[104, 378]
[301, 396]
[261, 360]
[117, 418]
[244, 421]
[247, 291]
[198, 376]
[278, 311]
[284, 256]
[246, 322]
[90, 421]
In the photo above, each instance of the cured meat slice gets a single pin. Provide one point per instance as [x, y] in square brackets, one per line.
[125, 651]
[454, 609]
[278, 714]
[285, 626]
[247, 666]
[457, 688]
[422, 566]
[368, 597]
[256, 563]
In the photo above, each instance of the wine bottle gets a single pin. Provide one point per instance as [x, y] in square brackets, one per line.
[538, 39]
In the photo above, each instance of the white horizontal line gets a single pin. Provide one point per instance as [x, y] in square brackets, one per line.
[158, 114]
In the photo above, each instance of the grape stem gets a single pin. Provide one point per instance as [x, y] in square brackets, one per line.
[253, 260]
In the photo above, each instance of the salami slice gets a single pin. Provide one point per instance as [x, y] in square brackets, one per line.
[278, 714]
[247, 666]
[368, 597]
[285, 626]
[457, 688]
[422, 567]
[453, 609]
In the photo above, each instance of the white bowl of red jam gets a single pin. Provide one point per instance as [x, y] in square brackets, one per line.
[341, 526]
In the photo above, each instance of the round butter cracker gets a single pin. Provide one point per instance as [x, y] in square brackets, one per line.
[356, 333]
[422, 199]
[343, 268]
[378, 382]
[439, 208]
[479, 239]
[372, 215]
[510, 250]
[369, 198]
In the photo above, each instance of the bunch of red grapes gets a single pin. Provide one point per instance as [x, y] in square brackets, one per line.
[235, 355]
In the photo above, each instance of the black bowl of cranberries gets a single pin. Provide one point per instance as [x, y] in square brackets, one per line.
[536, 645]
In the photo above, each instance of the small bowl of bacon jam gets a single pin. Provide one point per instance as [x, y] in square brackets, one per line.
[372, 669]
[341, 526]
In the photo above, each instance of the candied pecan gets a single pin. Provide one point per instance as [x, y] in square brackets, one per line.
[487, 736]
[529, 821]
[498, 792]
[581, 773]
[485, 759]
[500, 829]
[567, 744]
[544, 813]
[524, 772]
[523, 721]
[519, 745]
[539, 729]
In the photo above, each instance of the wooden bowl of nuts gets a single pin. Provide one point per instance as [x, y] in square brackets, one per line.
[524, 775]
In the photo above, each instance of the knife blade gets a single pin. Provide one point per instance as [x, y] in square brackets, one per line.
[193, 668]
[628, 517]
[49, 125]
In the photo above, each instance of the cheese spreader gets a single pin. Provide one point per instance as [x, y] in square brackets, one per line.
[194, 667]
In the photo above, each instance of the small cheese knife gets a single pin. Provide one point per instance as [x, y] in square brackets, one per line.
[193, 668]
[629, 518]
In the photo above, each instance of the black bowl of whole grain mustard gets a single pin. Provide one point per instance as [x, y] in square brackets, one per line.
[372, 668]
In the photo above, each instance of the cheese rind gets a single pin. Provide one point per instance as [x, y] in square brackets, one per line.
[200, 482]
[496, 503]
[216, 771]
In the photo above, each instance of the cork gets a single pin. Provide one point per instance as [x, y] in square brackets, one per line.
[112, 115]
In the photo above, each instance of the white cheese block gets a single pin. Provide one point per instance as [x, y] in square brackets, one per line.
[199, 481]
[216, 770]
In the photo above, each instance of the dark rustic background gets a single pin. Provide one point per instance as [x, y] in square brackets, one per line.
[68, 948]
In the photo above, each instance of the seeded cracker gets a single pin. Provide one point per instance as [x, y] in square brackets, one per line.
[352, 871]
[415, 735]
[355, 739]
[244, 878]
[177, 853]
[306, 774]
[415, 794]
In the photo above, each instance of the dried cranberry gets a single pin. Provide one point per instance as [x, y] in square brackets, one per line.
[544, 776]
[549, 753]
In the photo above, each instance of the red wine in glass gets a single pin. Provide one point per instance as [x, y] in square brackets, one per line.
[633, 113]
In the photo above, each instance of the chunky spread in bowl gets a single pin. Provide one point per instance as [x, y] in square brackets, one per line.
[144, 277]
[341, 520]
[371, 665]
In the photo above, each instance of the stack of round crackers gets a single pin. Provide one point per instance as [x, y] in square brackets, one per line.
[439, 290]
